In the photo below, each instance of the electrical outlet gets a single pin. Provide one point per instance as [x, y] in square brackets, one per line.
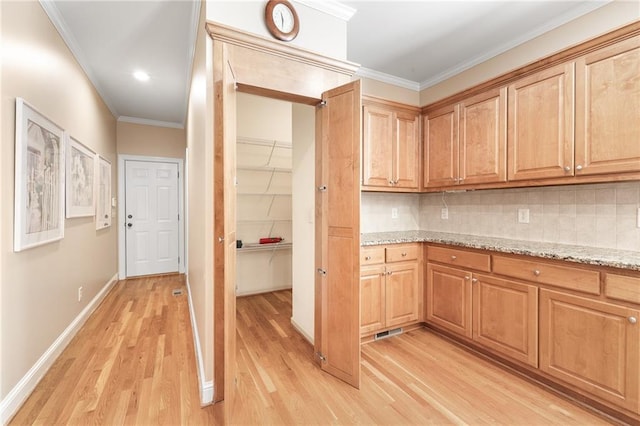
[444, 213]
[394, 213]
[80, 294]
[523, 215]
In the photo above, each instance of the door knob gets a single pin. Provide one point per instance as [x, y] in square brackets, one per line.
[129, 225]
[130, 217]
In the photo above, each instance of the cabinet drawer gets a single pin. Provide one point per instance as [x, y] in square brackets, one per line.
[400, 253]
[622, 288]
[465, 259]
[371, 255]
[544, 273]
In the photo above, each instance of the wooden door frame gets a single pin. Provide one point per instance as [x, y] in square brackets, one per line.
[122, 242]
[256, 65]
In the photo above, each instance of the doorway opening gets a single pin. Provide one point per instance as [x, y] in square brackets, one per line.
[275, 166]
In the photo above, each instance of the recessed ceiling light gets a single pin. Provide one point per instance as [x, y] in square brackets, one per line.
[141, 76]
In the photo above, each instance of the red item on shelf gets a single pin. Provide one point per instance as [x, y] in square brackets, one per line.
[270, 240]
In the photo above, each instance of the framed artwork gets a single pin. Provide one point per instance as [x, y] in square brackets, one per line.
[103, 210]
[39, 179]
[81, 169]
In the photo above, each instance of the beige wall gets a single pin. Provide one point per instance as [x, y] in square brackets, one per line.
[600, 21]
[151, 141]
[40, 285]
[199, 134]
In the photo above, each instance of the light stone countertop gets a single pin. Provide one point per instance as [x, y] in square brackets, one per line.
[624, 259]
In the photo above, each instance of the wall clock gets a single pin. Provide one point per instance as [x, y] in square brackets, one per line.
[281, 19]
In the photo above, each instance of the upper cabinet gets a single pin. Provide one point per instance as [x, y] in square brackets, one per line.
[466, 143]
[608, 109]
[541, 125]
[391, 147]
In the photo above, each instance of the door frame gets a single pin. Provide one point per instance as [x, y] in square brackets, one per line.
[122, 242]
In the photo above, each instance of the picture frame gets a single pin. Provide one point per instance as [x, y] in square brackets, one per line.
[103, 205]
[39, 179]
[80, 179]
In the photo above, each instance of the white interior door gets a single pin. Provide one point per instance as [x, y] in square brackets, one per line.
[151, 217]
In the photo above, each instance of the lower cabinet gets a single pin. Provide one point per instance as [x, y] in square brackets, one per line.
[592, 345]
[390, 292]
[497, 313]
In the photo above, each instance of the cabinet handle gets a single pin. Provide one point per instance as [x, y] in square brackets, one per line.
[474, 280]
[632, 320]
[579, 167]
[454, 257]
[404, 254]
[536, 272]
[367, 258]
[567, 168]
[467, 277]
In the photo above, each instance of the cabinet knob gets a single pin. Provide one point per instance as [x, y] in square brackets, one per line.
[389, 272]
[367, 258]
[536, 272]
[474, 280]
[390, 182]
[404, 254]
[454, 257]
[632, 320]
[567, 168]
[467, 277]
[579, 167]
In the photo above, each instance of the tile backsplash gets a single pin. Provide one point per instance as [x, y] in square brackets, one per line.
[598, 215]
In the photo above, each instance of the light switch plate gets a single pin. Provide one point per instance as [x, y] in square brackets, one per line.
[638, 218]
[394, 213]
[444, 213]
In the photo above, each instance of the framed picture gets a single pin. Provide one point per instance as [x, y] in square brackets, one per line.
[39, 179]
[103, 210]
[81, 169]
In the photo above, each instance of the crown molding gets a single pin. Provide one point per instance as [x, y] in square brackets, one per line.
[330, 7]
[58, 22]
[387, 78]
[147, 122]
[559, 20]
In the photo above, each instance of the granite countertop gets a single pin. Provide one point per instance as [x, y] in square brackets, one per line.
[624, 259]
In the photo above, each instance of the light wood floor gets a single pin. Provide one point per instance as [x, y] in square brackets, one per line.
[133, 363]
[416, 378]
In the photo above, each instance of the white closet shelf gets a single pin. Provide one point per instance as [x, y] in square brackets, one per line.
[264, 142]
[264, 169]
[262, 220]
[268, 194]
[264, 247]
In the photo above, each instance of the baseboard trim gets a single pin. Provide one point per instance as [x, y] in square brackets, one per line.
[266, 290]
[205, 387]
[21, 391]
[299, 329]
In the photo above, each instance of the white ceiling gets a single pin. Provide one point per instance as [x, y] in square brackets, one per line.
[411, 43]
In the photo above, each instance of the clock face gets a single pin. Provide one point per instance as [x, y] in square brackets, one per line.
[283, 18]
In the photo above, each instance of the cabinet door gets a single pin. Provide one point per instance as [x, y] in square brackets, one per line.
[441, 147]
[406, 165]
[483, 138]
[372, 295]
[377, 147]
[402, 292]
[592, 345]
[448, 298]
[505, 317]
[608, 109]
[540, 125]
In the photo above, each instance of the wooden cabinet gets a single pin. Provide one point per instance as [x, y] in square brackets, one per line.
[608, 109]
[390, 292]
[505, 317]
[499, 314]
[592, 345]
[465, 144]
[391, 147]
[540, 129]
[372, 298]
